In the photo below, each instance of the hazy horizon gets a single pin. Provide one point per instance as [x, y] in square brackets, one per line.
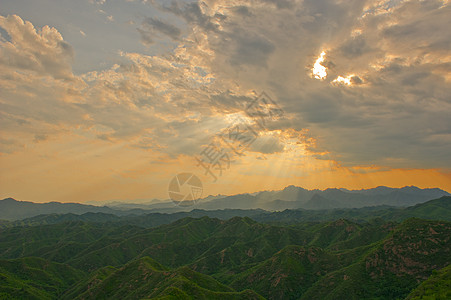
[203, 197]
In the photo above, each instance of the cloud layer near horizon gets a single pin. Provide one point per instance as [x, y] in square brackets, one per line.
[385, 102]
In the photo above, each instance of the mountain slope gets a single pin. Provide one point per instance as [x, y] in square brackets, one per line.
[145, 278]
[287, 274]
[438, 286]
[395, 266]
[319, 202]
[35, 278]
[438, 209]
[338, 259]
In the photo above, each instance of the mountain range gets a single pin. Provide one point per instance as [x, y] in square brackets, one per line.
[379, 251]
[289, 198]
[237, 258]
[437, 209]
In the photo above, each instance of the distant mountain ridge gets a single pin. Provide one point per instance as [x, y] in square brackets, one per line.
[11, 209]
[437, 209]
[291, 197]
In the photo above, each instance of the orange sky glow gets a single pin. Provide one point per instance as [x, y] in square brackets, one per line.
[107, 101]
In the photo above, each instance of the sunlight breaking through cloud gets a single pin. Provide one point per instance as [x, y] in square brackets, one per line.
[343, 80]
[319, 71]
[120, 100]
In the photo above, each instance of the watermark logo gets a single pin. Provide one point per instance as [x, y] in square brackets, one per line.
[225, 146]
[234, 140]
[185, 189]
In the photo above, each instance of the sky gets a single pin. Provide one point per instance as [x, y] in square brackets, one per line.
[108, 100]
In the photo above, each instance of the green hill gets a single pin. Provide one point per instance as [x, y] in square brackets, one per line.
[35, 278]
[205, 257]
[437, 287]
[394, 267]
[145, 278]
[287, 274]
[438, 209]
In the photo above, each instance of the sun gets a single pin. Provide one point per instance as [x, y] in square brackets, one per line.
[319, 71]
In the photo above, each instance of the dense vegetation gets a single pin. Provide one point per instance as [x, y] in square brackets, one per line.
[438, 286]
[232, 258]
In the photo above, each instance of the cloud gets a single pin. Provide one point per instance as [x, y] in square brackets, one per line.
[160, 26]
[146, 37]
[391, 100]
[99, 2]
[249, 49]
[43, 51]
[393, 68]
[10, 145]
[146, 102]
[390, 108]
[242, 10]
[192, 13]
[267, 145]
[40, 137]
[355, 46]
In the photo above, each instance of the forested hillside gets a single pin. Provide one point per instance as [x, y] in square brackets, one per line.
[236, 258]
